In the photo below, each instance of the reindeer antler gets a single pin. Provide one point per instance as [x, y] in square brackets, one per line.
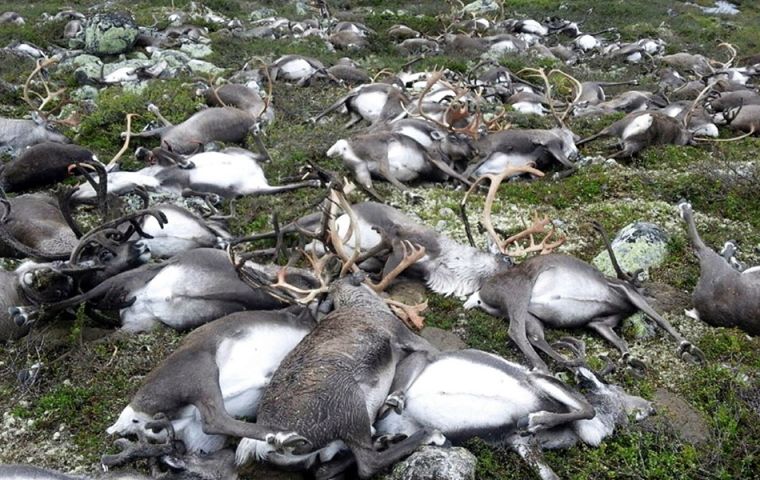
[49, 96]
[541, 73]
[538, 226]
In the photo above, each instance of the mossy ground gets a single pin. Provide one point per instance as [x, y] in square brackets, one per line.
[83, 386]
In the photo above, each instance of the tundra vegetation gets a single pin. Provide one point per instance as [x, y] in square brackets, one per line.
[60, 390]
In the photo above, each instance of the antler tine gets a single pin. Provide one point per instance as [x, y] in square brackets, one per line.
[733, 51]
[309, 294]
[693, 106]
[410, 314]
[537, 227]
[114, 161]
[496, 180]
[437, 75]
[412, 253]
[338, 199]
[578, 91]
[49, 96]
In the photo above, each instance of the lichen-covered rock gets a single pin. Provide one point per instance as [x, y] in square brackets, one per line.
[640, 245]
[196, 50]
[686, 422]
[480, 7]
[436, 463]
[110, 34]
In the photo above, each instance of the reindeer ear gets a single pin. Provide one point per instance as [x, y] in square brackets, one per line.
[37, 118]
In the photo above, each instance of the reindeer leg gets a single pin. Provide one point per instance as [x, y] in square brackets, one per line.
[531, 453]
[604, 327]
[445, 168]
[518, 320]
[217, 421]
[686, 349]
[406, 373]
[535, 330]
[548, 386]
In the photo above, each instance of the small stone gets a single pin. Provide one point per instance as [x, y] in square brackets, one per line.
[446, 212]
[199, 67]
[686, 422]
[433, 463]
[57, 436]
[441, 226]
[196, 50]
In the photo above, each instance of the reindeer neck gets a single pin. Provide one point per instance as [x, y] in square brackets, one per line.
[460, 269]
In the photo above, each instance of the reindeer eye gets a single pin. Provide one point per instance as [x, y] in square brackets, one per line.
[134, 420]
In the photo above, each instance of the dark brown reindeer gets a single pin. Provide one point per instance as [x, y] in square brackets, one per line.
[559, 291]
[723, 296]
[340, 373]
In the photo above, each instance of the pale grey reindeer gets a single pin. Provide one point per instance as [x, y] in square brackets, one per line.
[216, 376]
[373, 102]
[519, 148]
[18, 134]
[638, 130]
[220, 466]
[448, 267]
[394, 157]
[184, 292]
[560, 291]
[471, 393]
[330, 387]
[723, 296]
[229, 173]
[216, 124]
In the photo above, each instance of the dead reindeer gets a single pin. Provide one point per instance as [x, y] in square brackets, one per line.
[700, 121]
[463, 395]
[638, 130]
[456, 146]
[242, 97]
[723, 296]
[188, 290]
[168, 464]
[97, 255]
[217, 375]
[626, 102]
[372, 102]
[394, 157]
[33, 226]
[16, 135]
[559, 291]
[593, 93]
[339, 373]
[744, 119]
[297, 68]
[348, 72]
[229, 173]
[719, 102]
[41, 165]
[519, 148]
[182, 230]
[216, 124]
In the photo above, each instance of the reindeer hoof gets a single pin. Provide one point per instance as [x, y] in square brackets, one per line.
[691, 353]
[395, 401]
[22, 316]
[637, 368]
[413, 198]
[290, 441]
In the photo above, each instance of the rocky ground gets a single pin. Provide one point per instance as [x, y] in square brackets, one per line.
[59, 390]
